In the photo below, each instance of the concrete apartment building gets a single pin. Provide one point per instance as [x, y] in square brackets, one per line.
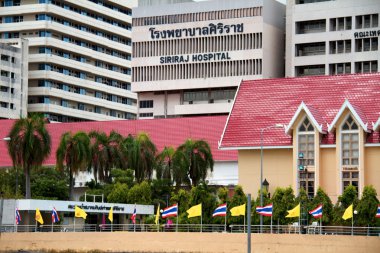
[14, 79]
[329, 37]
[79, 56]
[189, 57]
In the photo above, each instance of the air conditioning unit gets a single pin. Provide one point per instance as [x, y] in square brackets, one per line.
[190, 102]
[211, 101]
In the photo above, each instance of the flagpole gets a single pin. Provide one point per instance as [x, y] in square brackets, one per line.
[35, 229]
[74, 222]
[201, 221]
[352, 224]
[176, 229]
[299, 220]
[271, 222]
[244, 223]
[225, 221]
[52, 224]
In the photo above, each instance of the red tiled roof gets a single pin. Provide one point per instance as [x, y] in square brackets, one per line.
[263, 103]
[163, 132]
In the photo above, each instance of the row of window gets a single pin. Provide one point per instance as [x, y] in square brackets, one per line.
[198, 45]
[7, 105]
[8, 58]
[349, 154]
[337, 24]
[197, 70]
[310, 1]
[65, 118]
[8, 74]
[83, 75]
[97, 63]
[83, 91]
[6, 89]
[209, 95]
[91, 14]
[337, 68]
[79, 106]
[146, 104]
[199, 16]
[109, 36]
[94, 47]
[337, 47]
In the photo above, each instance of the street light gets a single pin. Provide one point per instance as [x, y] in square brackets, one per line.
[261, 166]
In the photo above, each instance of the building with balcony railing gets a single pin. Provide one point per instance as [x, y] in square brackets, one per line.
[13, 79]
[189, 57]
[330, 37]
[79, 56]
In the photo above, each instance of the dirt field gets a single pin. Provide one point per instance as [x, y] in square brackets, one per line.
[186, 242]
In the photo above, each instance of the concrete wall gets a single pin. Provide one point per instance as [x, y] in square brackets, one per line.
[187, 242]
[277, 169]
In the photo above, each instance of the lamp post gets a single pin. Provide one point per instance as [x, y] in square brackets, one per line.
[261, 166]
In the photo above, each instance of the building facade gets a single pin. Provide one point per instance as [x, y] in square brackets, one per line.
[79, 56]
[328, 141]
[330, 37]
[14, 79]
[188, 58]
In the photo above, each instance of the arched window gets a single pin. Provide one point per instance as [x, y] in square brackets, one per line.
[306, 141]
[306, 178]
[350, 153]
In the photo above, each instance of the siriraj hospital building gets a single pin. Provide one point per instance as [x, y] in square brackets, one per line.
[189, 57]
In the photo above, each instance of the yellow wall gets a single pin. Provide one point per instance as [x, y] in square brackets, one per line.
[328, 172]
[372, 167]
[277, 169]
[187, 242]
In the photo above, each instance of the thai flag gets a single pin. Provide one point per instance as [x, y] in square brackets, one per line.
[54, 216]
[378, 212]
[18, 216]
[265, 210]
[317, 212]
[170, 211]
[133, 218]
[220, 210]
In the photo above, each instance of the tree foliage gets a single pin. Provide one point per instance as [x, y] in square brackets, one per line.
[349, 196]
[74, 154]
[238, 199]
[283, 200]
[105, 154]
[140, 194]
[367, 207]
[48, 183]
[29, 145]
[192, 161]
[119, 194]
[322, 198]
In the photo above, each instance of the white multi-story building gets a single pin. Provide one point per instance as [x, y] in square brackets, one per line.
[79, 56]
[329, 37]
[189, 57]
[14, 79]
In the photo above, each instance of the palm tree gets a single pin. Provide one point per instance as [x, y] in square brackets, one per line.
[164, 163]
[141, 153]
[29, 145]
[192, 160]
[106, 154]
[73, 153]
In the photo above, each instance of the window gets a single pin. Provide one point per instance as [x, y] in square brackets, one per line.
[367, 21]
[350, 143]
[340, 68]
[306, 181]
[366, 44]
[366, 67]
[310, 70]
[145, 115]
[146, 104]
[308, 49]
[306, 142]
[340, 46]
[312, 26]
[340, 24]
[350, 178]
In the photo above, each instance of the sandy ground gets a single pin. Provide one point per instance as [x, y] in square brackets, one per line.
[186, 242]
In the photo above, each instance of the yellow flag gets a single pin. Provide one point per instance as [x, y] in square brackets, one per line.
[157, 215]
[195, 211]
[39, 216]
[295, 212]
[238, 210]
[110, 215]
[80, 212]
[348, 213]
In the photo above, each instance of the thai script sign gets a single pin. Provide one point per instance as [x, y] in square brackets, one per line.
[219, 28]
[97, 207]
[220, 56]
[366, 34]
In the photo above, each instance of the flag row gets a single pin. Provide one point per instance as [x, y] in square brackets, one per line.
[267, 210]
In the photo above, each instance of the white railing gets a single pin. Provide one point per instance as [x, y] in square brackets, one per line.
[197, 228]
